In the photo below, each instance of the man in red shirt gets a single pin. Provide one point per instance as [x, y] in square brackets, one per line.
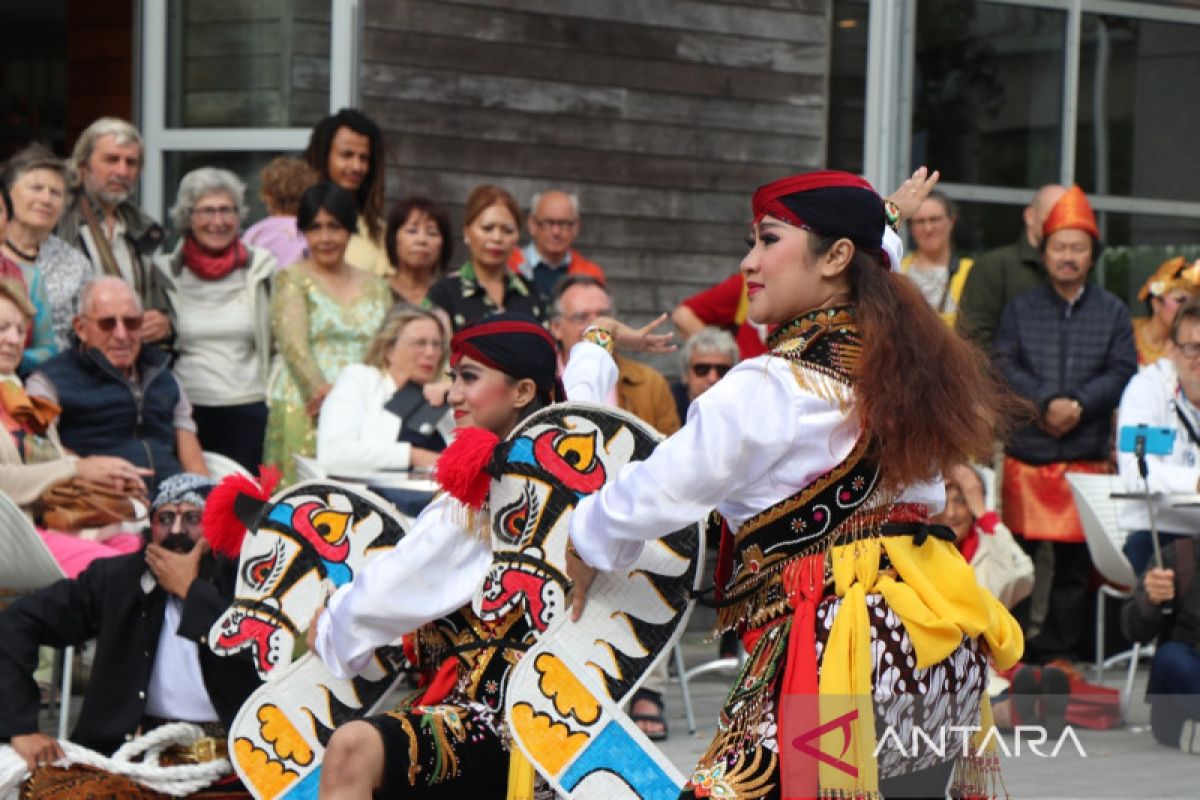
[724, 306]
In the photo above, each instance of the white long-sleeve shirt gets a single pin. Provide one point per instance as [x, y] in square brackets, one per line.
[437, 566]
[753, 439]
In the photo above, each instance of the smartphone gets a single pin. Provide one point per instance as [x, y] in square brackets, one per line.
[1159, 441]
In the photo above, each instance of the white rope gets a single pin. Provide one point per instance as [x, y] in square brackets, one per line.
[177, 781]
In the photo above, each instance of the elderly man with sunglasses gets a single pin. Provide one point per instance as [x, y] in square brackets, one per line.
[119, 398]
[704, 358]
[150, 613]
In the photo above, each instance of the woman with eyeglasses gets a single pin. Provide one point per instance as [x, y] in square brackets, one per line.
[323, 313]
[36, 181]
[31, 455]
[219, 293]
[484, 284]
[936, 270]
[376, 416]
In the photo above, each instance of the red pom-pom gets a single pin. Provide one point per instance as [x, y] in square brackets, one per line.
[461, 468]
[223, 528]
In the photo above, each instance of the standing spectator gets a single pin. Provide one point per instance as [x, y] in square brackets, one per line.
[323, 313]
[1067, 347]
[219, 293]
[724, 306]
[704, 359]
[1164, 394]
[641, 390]
[103, 223]
[283, 180]
[347, 149]
[553, 224]
[8, 268]
[1172, 284]
[1000, 275]
[36, 180]
[934, 267]
[117, 397]
[484, 285]
[419, 247]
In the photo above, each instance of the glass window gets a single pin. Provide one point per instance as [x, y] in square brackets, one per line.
[247, 63]
[246, 165]
[983, 226]
[1137, 102]
[847, 85]
[987, 95]
[1135, 245]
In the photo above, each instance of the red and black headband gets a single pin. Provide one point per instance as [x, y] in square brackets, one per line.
[827, 202]
[515, 344]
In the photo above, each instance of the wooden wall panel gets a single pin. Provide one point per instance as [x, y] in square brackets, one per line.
[663, 115]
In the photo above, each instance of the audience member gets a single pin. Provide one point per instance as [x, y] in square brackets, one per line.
[1164, 394]
[933, 266]
[724, 306]
[323, 313]
[347, 149]
[1000, 275]
[376, 416]
[419, 247]
[1172, 284]
[103, 223]
[219, 292]
[484, 285]
[8, 268]
[150, 613]
[282, 182]
[553, 224]
[704, 359]
[1067, 347]
[1174, 686]
[31, 456]
[117, 397]
[36, 181]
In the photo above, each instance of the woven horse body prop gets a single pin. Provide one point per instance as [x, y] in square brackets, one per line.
[562, 696]
[303, 543]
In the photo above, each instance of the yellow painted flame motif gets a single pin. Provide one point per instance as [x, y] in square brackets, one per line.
[577, 449]
[331, 524]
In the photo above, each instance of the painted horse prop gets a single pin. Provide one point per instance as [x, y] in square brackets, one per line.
[560, 698]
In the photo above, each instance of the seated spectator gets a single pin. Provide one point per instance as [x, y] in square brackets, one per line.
[484, 284]
[282, 181]
[219, 291]
[704, 358]
[553, 225]
[36, 180]
[376, 417]
[419, 246]
[323, 313]
[1001, 566]
[934, 268]
[117, 397]
[1172, 284]
[31, 456]
[1164, 394]
[1174, 686]
[724, 306]
[150, 613]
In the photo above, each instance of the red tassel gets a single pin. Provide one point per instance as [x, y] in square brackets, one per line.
[222, 527]
[461, 468]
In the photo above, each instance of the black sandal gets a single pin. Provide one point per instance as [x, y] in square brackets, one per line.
[656, 718]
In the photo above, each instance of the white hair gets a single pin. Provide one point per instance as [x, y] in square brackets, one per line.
[205, 181]
[105, 126]
[537, 198]
[708, 340]
[84, 296]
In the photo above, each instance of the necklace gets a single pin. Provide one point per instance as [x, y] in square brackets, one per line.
[20, 253]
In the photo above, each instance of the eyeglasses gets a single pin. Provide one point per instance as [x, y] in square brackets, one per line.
[109, 324]
[166, 519]
[702, 370]
[422, 344]
[1189, 349]
[555, 223]
[208, 212]
[584, 317]
[919, 221]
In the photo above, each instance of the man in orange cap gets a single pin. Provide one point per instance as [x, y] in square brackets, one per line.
[1067, 347]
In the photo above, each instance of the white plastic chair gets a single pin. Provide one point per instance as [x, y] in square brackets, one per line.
[220, 466]
[1098, 513]
[685, 676]
[307, 469]
[26, 566]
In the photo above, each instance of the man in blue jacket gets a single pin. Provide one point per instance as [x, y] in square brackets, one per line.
[1067, 347]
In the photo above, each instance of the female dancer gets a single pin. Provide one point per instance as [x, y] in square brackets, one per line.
[505, 368]
[823, 457]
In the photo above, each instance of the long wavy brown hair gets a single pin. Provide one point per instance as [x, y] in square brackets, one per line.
[928, 397]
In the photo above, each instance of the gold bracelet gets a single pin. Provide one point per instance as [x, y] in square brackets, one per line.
[599, 336]
[892, 211]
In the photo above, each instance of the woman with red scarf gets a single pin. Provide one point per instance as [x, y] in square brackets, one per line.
[219, 293]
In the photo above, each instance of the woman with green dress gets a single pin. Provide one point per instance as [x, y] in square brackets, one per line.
[323, 314]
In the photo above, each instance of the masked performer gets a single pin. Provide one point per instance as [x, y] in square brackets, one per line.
[823, 458]
[450, 738]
